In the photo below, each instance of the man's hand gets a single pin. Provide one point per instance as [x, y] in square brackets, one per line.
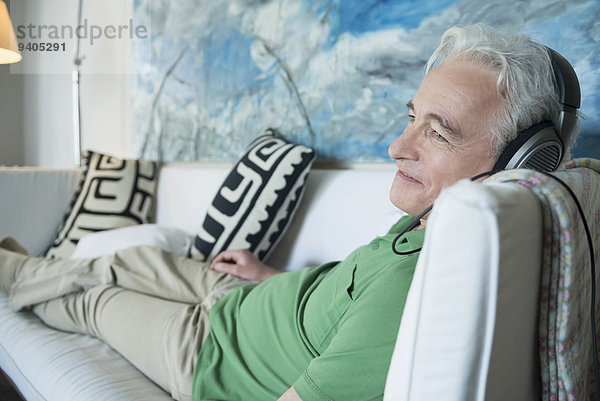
[242, 264]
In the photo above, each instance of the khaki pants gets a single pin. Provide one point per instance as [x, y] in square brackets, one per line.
[150, 306]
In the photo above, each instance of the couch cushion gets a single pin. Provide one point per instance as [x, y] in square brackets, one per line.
[350, 207]
[108, 242]
[257, 200]
[112, 193]
[33, 202]
[48, 364]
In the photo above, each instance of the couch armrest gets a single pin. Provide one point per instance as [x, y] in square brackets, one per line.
[469, 327]
[33, 202]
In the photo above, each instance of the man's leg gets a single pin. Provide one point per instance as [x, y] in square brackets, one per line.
[161, 338]
[149, 270]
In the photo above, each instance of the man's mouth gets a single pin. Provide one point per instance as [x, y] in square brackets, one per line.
[406, 176]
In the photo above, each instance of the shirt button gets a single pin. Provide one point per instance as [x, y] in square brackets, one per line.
[375, 246]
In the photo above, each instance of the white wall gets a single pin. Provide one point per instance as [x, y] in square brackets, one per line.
[36, 127]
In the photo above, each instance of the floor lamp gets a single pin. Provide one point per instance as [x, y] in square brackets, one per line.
[76, 95]
[9, 48]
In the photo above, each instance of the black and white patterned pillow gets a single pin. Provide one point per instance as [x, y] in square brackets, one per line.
[257, 200]
[112, 193]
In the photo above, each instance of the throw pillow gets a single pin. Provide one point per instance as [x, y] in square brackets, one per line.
[107, 242]
[255, 204]
[112, 193]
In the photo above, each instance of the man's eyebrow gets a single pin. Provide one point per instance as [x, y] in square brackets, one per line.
[443, 121]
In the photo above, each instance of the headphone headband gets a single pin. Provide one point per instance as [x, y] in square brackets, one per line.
[569, 94]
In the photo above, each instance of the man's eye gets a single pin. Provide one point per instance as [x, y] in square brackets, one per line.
[438, 136]
[411, 118]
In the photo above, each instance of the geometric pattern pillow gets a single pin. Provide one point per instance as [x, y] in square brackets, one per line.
[112, 193]
[257, 200]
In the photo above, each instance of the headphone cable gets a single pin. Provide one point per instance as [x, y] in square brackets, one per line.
[417, 220]
[406, 229]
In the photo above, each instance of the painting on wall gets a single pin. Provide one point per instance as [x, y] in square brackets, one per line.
[331, 74]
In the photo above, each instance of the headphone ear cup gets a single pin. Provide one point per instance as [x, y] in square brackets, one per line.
[538, 148]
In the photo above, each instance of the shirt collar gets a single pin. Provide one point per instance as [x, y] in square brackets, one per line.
[411, 240]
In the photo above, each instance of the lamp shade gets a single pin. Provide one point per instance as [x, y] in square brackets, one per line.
[9, 48]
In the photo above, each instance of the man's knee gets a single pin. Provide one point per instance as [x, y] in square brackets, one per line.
[79, 312]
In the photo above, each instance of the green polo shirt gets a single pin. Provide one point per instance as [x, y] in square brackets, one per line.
[329, 331]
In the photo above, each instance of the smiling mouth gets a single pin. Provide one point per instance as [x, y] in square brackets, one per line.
[407, 177]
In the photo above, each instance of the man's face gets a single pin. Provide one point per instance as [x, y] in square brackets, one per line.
[448, 136]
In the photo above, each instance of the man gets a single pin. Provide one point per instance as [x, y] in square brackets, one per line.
[237, 329]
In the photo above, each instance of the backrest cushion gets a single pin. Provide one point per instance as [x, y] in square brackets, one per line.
[257, 200]
[33, 202]
[348, 207]
[468, 331]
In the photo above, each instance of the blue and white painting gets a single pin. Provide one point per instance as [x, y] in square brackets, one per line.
[332, 74]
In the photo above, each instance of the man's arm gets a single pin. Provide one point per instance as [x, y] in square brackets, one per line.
[290, 395]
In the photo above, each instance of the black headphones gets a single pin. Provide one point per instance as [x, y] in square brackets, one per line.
[541, 146]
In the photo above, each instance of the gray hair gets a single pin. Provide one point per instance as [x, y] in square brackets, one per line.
[525, 83]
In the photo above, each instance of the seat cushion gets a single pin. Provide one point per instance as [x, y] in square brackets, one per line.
[48, 364]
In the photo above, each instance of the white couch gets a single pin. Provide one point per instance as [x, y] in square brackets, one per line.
[468, 332]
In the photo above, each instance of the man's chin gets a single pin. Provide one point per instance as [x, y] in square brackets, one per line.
[404, 205]
[413, 202]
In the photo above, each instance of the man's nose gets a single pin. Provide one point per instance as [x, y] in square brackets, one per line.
[405, 146]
